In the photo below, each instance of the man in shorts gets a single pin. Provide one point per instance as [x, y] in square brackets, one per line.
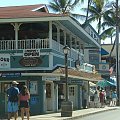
[13, 93]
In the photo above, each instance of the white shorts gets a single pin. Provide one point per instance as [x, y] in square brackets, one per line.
[114, 99]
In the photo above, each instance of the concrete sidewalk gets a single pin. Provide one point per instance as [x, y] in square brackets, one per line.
[76, 114]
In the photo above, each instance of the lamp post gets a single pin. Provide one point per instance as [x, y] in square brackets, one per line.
[66, 106]
[117, 52]
[66, 50]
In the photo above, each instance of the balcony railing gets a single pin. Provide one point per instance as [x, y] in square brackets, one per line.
[35, 44]
[24, 44]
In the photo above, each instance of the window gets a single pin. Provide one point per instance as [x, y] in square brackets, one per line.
[71, 91]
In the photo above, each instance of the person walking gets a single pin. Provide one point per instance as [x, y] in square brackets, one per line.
[114, 98]
[96, 99]
[24, 97]
[13, 93]
[101, 96]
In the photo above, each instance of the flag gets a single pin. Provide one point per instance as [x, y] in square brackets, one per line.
[111, 70]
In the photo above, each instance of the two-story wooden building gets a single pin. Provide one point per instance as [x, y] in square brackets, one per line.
[31, 52]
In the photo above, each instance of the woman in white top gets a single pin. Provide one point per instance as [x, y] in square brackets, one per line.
[96, 98]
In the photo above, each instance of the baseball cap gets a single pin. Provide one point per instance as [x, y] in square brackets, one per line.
[15, 82]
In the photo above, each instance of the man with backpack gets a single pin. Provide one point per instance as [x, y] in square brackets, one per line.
[13, 93]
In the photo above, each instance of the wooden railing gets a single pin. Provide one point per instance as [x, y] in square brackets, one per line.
[35, 44]
[24, 44]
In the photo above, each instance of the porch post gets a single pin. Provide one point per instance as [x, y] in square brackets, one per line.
[16, 28]
[65, 38]
[58, 36]
[75, 43]
[50, 34]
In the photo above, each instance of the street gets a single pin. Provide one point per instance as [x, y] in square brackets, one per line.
[107, 115]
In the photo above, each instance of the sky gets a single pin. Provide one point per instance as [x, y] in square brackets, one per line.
[4, 3]
[22, 2]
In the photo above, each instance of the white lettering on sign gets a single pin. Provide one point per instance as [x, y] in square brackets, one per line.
[52, 78]
[4, 60]
[31, 53]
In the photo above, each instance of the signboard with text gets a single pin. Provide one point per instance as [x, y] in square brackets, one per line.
[31, 53]
[4, 60]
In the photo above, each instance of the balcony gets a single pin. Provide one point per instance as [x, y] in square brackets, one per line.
[36, 44]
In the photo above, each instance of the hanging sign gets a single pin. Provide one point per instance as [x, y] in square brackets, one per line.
[31, 53]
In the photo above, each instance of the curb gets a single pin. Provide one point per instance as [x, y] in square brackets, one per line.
[76, 117]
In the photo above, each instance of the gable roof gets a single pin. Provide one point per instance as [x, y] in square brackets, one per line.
[25, 11]
[85, 25]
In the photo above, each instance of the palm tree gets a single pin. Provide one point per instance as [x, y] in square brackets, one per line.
[97, 10]
[110, 21]
[65, 6]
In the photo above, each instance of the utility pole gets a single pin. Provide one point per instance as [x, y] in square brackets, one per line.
[117, 52]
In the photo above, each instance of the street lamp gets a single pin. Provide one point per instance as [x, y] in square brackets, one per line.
[66, 106]
[66, 50]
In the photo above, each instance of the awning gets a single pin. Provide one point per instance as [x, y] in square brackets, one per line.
[72, 73]
[104, 52]
[92, 84]
[105, 83]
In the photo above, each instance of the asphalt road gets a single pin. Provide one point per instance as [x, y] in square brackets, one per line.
[107, 115]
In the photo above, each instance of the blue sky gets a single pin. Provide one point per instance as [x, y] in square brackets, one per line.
[21, 2]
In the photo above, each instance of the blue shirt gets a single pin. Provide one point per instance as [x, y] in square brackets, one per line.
[114, 95]
[12, 91]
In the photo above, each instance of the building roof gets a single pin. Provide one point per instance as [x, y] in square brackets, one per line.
[79, 74]
[25, 11]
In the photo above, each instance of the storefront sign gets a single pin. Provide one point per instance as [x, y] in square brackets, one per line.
[8, 75]
[76, 82]
[31, 53]
[52, 78]
[4, 60]
[30, 62]
[33, 87]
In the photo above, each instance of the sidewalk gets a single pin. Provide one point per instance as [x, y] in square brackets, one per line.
[76, 114]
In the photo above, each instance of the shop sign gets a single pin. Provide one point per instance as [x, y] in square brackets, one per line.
[4, 60]
[52, 78]
[8, 75]
[30, 62]
[31, 53]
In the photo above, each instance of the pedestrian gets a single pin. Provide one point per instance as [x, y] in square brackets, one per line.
[85, 99]
[114, 98]
[101, 96]
[24, 97]
[96, 99]
[13, 93]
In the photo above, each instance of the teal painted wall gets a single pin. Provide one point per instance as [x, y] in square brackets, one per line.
[36, 101]
[57, 60]
[60, 61]
[15, 61]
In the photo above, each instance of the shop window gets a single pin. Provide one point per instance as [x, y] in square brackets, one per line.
[71, 91]
[48, 90]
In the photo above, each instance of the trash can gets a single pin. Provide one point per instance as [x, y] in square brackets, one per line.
[66, 109]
